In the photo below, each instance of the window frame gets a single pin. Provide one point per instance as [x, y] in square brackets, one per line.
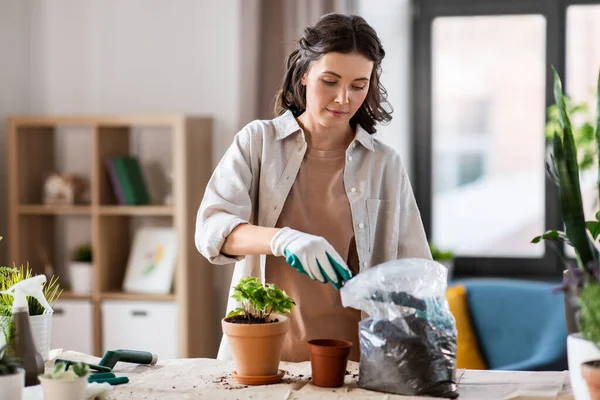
[550, 265]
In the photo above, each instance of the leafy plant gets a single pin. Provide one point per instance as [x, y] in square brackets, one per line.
[583, 133]
[8, 365]
[258, 301]
[10, 277]
[82, 253]
[60, 370]
[582, 283]
[440, 255]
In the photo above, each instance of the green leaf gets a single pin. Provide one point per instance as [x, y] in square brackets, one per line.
[597, 135]
[594, 228]
[236, 312]
[58, 368]
[565, 162]
[589, 303]
[80, 369]
[552, 235]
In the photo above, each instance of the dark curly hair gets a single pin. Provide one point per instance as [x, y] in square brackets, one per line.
[343, 34]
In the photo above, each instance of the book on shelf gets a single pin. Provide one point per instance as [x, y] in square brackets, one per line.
[127, 180]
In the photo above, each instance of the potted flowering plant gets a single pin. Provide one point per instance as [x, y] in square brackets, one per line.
[256, 330]
[582, 278]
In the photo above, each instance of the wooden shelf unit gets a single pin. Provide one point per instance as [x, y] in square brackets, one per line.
[31, 155]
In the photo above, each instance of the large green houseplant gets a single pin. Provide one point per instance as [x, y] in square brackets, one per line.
[582, 280]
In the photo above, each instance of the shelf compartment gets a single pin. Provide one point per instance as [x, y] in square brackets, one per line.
[36, 242]
[33, 159]
[157, 210]
[114, 295]
[111, 141]
[41, 209]
[69, 295]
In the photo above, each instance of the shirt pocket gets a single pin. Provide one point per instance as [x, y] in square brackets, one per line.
[383, 226]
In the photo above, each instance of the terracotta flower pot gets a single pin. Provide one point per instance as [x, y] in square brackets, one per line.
[328, 361]
[256, 348]
[590, 371]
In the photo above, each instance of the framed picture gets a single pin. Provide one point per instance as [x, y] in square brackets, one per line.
[151, 264]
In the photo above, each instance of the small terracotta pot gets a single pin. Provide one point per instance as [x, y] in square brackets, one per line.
[256, 348]
[590, 371]
[328, 361]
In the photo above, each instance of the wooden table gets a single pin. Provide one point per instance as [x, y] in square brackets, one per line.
[211, 379]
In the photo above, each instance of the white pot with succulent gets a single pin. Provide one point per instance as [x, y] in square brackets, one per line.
[81, 269]
[39, 318]
[62, 383]
[12, 376]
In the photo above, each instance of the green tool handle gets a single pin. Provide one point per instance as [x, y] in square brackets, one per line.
[137, 357]
[101, 376]
[101, 368]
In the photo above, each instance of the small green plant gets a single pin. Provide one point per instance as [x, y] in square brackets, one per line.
[440, 255]
[11, 276]
[60, 370]
[8, 365]
[82, 253]
[259, 301]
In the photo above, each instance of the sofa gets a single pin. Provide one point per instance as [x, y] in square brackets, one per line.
[509, 324]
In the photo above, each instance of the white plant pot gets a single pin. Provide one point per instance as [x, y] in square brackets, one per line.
[63, 389]
[11, 386]
[579, 351]
[41, 330]
[81, 277]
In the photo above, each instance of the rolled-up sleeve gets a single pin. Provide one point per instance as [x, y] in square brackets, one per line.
[227, 200]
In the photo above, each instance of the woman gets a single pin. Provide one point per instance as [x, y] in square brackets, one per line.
[313, 189]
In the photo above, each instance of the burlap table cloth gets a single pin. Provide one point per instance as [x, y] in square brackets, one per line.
[203, 378]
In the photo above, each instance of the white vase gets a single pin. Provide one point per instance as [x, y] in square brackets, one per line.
[63, 389]
[81, 277]
[579, 351]
[11, 386]
[41, 330]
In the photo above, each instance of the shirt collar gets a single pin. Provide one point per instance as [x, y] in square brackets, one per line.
[287, 124]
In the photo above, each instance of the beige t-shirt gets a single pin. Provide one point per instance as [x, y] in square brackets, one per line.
[317, 204]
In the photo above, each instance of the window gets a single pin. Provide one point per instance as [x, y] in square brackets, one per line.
[482, 85]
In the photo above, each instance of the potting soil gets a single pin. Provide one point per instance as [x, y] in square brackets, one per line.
[408, 341]
[408, 356]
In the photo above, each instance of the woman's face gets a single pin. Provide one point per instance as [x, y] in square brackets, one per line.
[336, 86]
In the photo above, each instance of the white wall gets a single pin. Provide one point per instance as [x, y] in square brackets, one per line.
[392, 20]
[14, 87]
[120, 57]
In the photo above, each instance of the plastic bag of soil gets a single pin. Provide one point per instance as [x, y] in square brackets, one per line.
[408, 341]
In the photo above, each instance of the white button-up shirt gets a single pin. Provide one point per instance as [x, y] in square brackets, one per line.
[252, 181]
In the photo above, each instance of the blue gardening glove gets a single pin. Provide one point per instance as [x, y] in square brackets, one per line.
[311, 255]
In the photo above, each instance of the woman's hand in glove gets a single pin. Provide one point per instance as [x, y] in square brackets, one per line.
[311, 255]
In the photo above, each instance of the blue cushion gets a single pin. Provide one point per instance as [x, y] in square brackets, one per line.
[520, 324]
